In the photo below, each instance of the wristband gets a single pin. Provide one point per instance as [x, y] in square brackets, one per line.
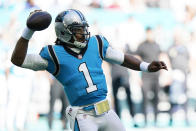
[144, 66]
[27, 33]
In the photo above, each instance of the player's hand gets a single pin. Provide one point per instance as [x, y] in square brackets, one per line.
[156, 66]
[32, 12]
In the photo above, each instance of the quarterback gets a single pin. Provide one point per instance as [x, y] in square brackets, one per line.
[75, 60]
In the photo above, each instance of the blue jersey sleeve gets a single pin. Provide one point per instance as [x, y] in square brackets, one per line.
[44, 53]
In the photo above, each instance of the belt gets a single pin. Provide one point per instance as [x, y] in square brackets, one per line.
[97, 108]
[88, 108]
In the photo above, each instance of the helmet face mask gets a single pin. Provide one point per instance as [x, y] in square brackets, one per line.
[79, 32]
[71, 27]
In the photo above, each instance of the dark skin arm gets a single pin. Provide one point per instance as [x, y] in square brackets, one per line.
[132, 62]
[20, 51]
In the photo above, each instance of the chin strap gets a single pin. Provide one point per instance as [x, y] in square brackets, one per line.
[79, 44]
[76, 50]
[76, 44]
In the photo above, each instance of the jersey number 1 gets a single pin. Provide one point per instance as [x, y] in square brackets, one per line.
[91, 87]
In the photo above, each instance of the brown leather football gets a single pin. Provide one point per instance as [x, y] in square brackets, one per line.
[38, 21]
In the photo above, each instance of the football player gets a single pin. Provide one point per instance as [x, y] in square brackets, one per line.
[76, 61]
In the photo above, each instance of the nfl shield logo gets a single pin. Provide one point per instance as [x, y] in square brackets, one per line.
[79, 56]
[70, 110]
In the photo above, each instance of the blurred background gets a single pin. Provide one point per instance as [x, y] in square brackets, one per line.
[149, 29]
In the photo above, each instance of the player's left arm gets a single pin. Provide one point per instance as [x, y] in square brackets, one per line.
[130, 61]
[134, 63]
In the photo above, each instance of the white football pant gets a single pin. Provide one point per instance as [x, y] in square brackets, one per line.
[107, 122]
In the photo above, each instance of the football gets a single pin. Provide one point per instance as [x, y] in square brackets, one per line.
[38, 21]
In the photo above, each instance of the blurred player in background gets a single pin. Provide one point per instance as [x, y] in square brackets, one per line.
[149, 50]
[57, 92]
[76, 61]
[179, 57]
[120, 78]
